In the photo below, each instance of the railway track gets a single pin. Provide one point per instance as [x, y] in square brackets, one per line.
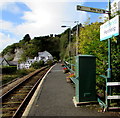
[14, 102]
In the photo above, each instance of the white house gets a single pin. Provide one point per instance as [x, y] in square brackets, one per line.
[45, 56]
[26, 64]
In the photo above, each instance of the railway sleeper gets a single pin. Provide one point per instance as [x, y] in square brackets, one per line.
[7, 115]
[11, 103]
[14, 108]
[27, 86]
[18, 94]
[21, 91]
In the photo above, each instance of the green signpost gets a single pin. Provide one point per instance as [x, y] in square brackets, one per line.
[113, 29]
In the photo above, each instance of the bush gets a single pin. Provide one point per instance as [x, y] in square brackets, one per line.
[49, 62]
[22, 72]
[8, 78]
[37, 65]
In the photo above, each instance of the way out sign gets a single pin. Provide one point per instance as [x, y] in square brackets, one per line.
[110, 28]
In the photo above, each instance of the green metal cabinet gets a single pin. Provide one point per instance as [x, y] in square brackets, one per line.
[85, 78]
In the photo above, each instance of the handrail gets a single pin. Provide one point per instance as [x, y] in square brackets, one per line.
[102, 104]
[68, 64]
[103, 76]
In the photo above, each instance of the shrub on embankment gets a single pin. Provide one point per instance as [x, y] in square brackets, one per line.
[7, 77]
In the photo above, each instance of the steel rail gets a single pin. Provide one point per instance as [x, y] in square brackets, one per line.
[28, 77]
[27, 98]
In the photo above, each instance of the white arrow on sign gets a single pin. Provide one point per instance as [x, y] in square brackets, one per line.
[90, 9]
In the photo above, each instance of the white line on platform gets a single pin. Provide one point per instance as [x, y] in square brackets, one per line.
[27, 110]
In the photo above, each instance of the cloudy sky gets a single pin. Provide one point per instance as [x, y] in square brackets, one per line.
[41, 17]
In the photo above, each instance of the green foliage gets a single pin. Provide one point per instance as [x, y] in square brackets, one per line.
[22, 72]
[26, 39]
[7, 78]
[9, 49]
[64, 44]
[38, 44]
[115, 51]
[89, 43]
[16, 74]
[32, 47]
[49, 62]
[37, 65]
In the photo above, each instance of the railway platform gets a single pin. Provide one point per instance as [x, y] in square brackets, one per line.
[54, 98]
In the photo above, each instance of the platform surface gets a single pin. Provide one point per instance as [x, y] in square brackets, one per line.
[55, 98]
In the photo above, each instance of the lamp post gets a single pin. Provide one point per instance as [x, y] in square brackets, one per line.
[63, 26]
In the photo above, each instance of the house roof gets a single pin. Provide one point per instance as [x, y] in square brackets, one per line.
[3, 59]
[13, 63]
[45, 53]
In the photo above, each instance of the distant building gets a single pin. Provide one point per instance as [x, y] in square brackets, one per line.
[45, 56]
[26, 64]
[4, 62]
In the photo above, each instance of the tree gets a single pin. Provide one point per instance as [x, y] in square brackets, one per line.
[89, 43]
[26, 38]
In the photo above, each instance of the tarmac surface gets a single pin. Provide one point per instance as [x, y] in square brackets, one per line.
[55, 98]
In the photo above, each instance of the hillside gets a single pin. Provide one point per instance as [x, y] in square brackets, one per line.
[28, 47]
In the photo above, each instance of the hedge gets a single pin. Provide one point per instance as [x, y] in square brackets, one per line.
[8, 69]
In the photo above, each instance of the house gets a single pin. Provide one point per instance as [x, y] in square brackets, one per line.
[26, 64]
[45, 56]
[4, 62]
